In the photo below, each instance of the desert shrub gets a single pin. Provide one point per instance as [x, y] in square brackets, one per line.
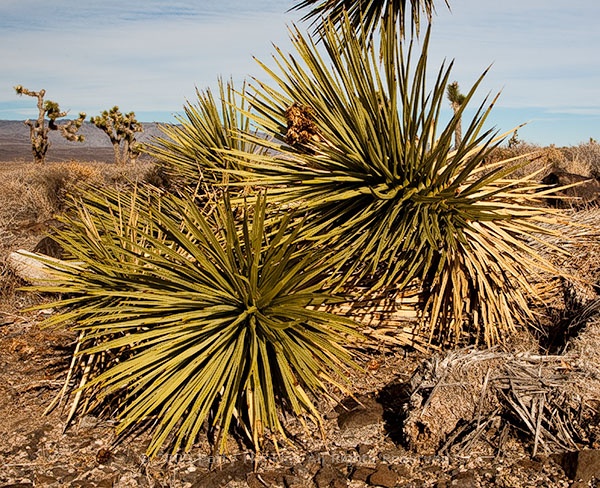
[125, 177]
[194, 153]
[528, 154]
[60, 180]
[209, 317]
[190, 315]
[583, 159]
[23, 201]
[384, 188]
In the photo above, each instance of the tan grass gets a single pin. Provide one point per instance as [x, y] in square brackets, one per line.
[33, 195]
[583, 159]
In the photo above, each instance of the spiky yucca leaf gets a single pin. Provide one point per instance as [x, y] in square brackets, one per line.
[193, 149]
[366, 16]
[385, 188]
[205, 318]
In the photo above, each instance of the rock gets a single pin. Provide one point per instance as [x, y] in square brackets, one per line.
[291, 481]
[362, 473]
[235, 471]
[586, 190]
[362, 449]
[254, 481]
[329, 477]
[109, 482]
[63, 475]
[34, 268]
[355, 415]
[465, 479]
[580, 466]
[44, 480]
[304, 472]
[268, 478]
[383, 476]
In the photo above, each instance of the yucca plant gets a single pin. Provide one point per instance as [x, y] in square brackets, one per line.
[367, 16]
[386, 190]
[193, 149]
[187, 316]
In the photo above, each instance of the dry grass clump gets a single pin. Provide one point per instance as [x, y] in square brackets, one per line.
[579, 236]
[125, 176]
[9, 282]
[583, 159]
[58, 181]
[33, 196]
[466, 400]
[585, 349]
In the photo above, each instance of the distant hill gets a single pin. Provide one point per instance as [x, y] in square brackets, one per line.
[15, 145]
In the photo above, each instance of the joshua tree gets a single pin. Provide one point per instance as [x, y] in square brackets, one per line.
[457, 99]
[38, 131]
[121, 130]
[514, 141]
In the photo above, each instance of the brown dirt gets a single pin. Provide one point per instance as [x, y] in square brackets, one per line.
[362, 446]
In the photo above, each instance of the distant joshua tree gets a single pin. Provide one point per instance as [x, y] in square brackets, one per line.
[514, 141]
[38, 131]
[456, 99]
[121, 130]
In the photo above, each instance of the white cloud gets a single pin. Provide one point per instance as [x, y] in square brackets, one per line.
[149, 65]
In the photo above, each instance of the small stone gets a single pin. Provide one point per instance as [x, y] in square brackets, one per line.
[582, 465]
[363, 449]
[383, 476]
[303, 471]
[44, 480]
[272, 478]
[331, 415]
[369, 413]
[444, 483]
[107, 482]
[465, 479]
[103, 456]
[312, 466]
[63, 475]
[531, 465]
[392, 456]
[329, 477]
[254, 481]
[362, 473]
[291, 481]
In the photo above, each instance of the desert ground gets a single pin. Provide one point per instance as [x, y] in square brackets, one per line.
[367, 440]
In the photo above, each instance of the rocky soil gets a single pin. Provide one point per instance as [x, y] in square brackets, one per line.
[360, 449]
[363, 444]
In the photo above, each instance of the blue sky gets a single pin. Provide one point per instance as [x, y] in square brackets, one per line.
[150, 55]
